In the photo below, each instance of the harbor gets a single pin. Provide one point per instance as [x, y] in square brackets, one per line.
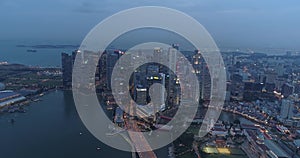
[53, 119]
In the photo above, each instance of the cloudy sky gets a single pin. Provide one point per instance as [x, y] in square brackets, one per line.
[232, 23]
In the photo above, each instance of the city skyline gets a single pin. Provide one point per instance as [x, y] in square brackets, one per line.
[150, 79]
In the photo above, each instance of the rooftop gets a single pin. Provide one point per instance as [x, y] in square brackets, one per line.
[275, 148]
[4, 95]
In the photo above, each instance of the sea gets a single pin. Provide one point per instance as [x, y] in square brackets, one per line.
[11, 52]
[50, 57]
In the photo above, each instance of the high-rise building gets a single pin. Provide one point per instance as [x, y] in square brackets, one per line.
[141, 95]
[162, 91]
[67, 62]
[111, 60]
[172, 71]
[175, 46]
[152, 70]
[279, 82]
[205, 81]
[197, 63]
[237, 86]
[287, 107]
[2, 86]
[270, 87]
[270, 77]
[252, 91]
[158, 56]
[203, 75]
[118, 119]
[287, 90]
[102, 71]
[280, 69]
[297, 88]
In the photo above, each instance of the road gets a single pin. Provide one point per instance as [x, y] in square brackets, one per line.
[137, 137]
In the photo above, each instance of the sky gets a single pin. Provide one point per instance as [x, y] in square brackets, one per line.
[232, 23]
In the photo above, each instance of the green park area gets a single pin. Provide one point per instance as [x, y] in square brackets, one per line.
[18, 77]
[212, 152]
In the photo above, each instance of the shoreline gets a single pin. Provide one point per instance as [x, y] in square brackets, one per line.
[19, 106]
[245, 116]
[36, 98]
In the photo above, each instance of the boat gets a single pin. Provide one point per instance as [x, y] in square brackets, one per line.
[36, 100]
[21, 110]
[31, 50]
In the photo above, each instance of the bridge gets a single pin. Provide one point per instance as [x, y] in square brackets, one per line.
[138, 140]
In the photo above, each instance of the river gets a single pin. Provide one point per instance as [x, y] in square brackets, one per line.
[51, 129]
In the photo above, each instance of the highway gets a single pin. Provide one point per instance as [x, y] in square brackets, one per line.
[137, 137]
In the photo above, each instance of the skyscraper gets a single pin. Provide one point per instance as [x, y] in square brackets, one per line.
[205, 81]
[111, 60]
[141, 95]
[172, 64]
[67, 62]
[67, 65]
[287, 90]
[287, 107]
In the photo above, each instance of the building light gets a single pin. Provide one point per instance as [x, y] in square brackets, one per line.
[141, 89]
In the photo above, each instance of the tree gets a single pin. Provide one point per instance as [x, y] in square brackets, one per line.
[237, 122]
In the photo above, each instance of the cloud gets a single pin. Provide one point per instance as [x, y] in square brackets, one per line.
[5, 4]
[109, 6]
[237, 11]
[89, 7]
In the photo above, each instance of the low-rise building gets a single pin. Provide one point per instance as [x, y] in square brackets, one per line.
[9, 98]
